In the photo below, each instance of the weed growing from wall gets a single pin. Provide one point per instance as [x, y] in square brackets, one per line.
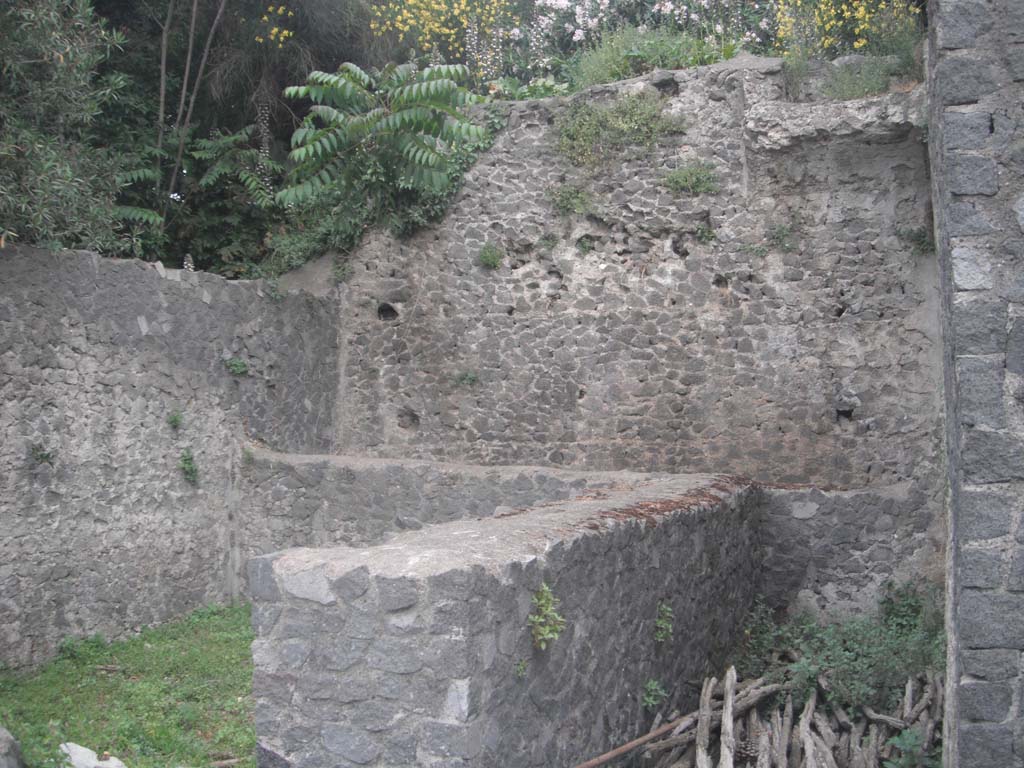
[585, 244]
[490, 256]
[40, 454]
[521, 668]
[187, 465]
[782, 237]
[663, 623]
[705, 233]
[693, 179]
[654, 694]
[568, 200]
[467, 379]
[175, 420]
[545, 622]
[237, 366]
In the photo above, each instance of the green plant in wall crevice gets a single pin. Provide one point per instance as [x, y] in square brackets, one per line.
[187, 465]
[545, 622]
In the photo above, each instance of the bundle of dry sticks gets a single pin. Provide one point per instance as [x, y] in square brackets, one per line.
[749, 727]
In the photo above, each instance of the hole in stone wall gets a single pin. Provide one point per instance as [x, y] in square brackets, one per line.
[386, 312]
[720, 281]
[844, 413]
[581, 393]
[408, 419]
[510, 311]
[840, 310]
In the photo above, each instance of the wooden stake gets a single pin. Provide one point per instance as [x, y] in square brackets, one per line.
[728, 740]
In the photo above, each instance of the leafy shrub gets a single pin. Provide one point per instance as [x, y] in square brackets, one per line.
[631, 51]
[379, 132]
[536, 88]
[237, 366]
[829, 28]
[545, 622]
[589, 134]
[175, 420]
[568, 200]
[654, 694]
[693, 179]
[490, 256]
[866, 661]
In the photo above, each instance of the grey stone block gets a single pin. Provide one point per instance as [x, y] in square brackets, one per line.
[966, 130]
[987, 702]
[972, 175]
[991, 620]
[985, 746]
[981, 568]
[972, 270]
[963, 22]
[966, 219]
[992, 457]
[991, 664]
[964, 79]
[1015, 579]
[353, 744]
[985, 514]
[979, 325]
[980, 381]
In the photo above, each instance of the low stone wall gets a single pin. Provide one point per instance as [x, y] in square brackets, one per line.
[418, 651]
[99, 530]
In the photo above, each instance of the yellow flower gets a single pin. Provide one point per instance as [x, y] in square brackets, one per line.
[264, 19]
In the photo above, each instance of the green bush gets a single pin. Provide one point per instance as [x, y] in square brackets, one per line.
[865, 661]
[589, 134]
[631, 51]
[693, 179]
[654, 694]
[236, 366]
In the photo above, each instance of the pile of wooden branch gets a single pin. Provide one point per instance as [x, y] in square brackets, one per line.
[750, 728]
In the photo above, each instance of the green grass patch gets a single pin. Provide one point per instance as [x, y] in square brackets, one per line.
[179, 694]
[693, 179]
[490, 256]
[589, 134]
[857, 81]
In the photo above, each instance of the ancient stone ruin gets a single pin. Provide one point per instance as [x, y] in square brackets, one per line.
[767, 390]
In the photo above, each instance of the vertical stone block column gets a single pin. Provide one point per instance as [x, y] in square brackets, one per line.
[976, 83]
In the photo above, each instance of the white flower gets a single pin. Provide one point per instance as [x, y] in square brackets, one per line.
[578, 35]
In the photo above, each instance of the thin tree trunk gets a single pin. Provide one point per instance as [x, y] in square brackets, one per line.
[188, 63]
[192, 99]
[165, 33]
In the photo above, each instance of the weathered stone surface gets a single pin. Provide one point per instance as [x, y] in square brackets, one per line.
[972, 269]
[985, 746]
[447, 673]
[981, 391]
[985, 701]
[992, 457]
[991, 620]
[10, 752]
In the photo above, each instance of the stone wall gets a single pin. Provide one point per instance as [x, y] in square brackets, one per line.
[99, 530]
[418, 651]
[976, 84]
[799, 345]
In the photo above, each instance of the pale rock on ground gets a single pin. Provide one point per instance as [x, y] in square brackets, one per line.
[82, 757]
